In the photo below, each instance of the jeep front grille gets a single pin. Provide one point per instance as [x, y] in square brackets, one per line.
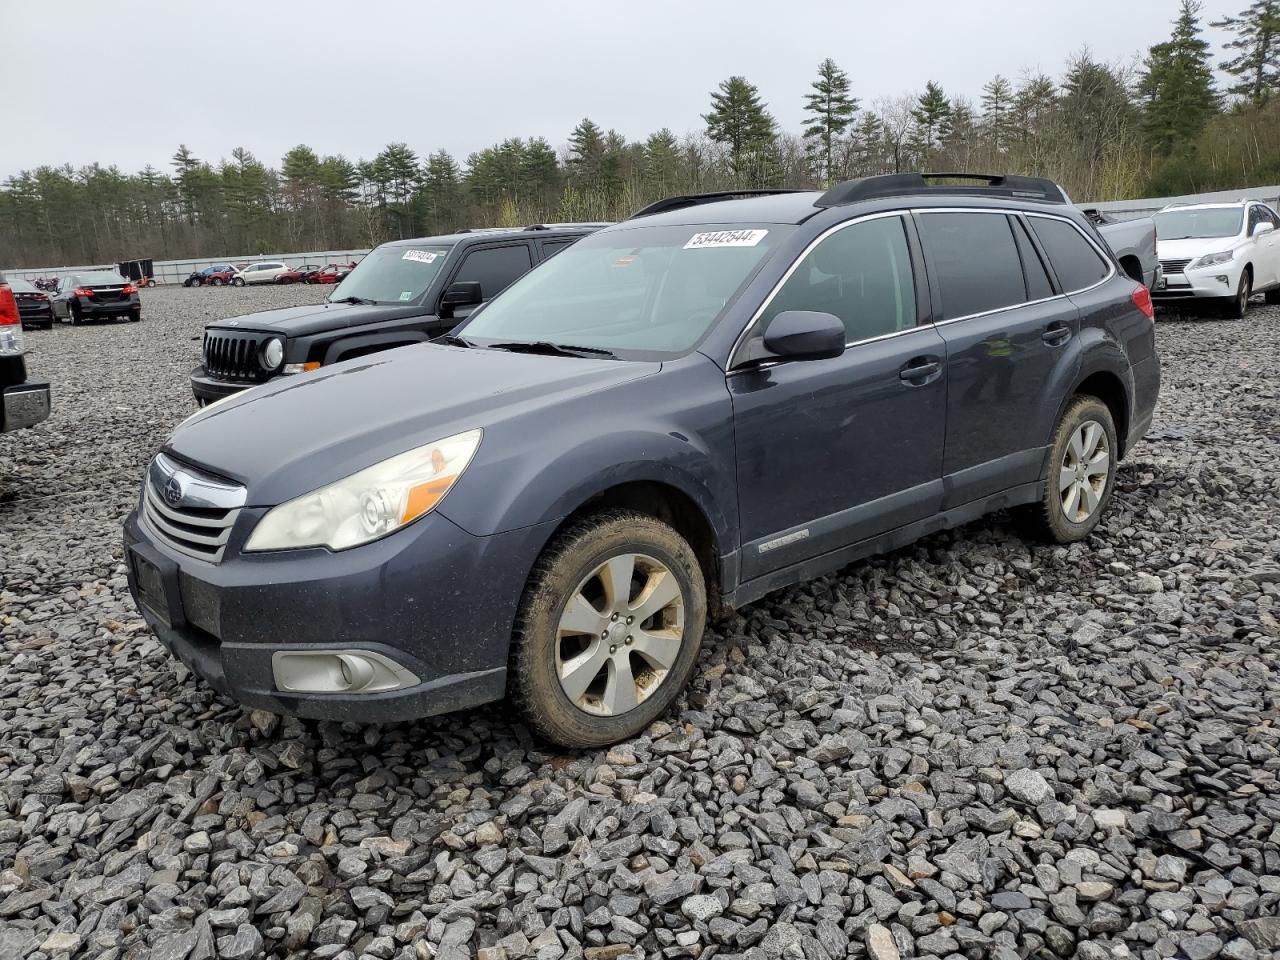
[234, 356]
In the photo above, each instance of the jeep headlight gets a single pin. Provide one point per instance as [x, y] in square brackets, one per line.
[272, 354]
[369, 504]
[1212, 260]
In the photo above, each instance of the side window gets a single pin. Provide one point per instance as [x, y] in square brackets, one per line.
[1075, 261]
[975, 260]
[861, 274]
[1255, 217]
[1270, 216]
[551, 247]
[1038, 286]
[495, 267]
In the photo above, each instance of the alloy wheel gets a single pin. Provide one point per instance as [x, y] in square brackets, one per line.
[1082, 476]
[619, 634]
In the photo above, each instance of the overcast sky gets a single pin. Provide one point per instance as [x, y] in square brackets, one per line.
[350, 77]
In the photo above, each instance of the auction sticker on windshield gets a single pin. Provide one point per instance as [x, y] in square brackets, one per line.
[421, 256]
[725, 238]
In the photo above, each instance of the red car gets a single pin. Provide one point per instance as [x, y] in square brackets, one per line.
[219, 277]
[331, 273]
[289, 276]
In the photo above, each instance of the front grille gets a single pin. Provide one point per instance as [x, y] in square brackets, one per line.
[233, 356]
[200, 521]
[1174, 266]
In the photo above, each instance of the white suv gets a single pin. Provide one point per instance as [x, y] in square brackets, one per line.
[1223, 252]
[260, 273]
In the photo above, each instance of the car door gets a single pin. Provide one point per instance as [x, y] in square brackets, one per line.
[1266, 245]
[832, 452]
[1006, 330]
[495, 267]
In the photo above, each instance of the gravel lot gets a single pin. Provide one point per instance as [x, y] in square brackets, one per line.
[972, 747]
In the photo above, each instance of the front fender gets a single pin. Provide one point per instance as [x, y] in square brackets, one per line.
[673, 428]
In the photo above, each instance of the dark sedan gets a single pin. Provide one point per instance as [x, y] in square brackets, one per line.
[34, 305]
[96, 294]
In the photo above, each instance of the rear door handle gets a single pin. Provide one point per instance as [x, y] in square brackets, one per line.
[918, 370]
[1056, 334]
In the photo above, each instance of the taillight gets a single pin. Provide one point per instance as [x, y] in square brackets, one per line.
[82, 292]
[1141, 298]
[8, 307]
[128, 289]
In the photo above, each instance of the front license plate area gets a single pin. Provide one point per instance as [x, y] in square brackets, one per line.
[157, 587]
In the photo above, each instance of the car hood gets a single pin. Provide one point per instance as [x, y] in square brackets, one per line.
[298, 433]
[316, 318]
[1193, 247]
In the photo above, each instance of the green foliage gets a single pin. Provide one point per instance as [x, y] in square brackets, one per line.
[1257, 42]
[740, 121]
[1177, 86]
[829, 111]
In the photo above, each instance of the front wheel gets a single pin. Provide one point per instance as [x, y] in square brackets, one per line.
[608, 631]
[1080, 474]
[237, 281]
[216, 281]
[1238, 305]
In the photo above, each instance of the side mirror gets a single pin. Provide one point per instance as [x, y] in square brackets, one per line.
[461, 293]
[1264, 227]
[804, 335]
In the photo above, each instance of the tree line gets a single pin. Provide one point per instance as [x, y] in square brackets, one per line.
[1104, 131]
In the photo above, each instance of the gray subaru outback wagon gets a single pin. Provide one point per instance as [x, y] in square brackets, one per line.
[717, 398]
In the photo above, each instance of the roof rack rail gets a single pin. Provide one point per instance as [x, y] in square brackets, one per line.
[695, 199]
[595, 224]
[902, 184]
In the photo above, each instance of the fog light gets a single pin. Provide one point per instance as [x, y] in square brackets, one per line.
[338, 671]
[1223, 279]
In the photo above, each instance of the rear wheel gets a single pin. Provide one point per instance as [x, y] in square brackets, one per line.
[135, 316]
[1080, 474]
[1238, 305]
[1273, 297]
[216, 281]
[74, 315]
[608, 631]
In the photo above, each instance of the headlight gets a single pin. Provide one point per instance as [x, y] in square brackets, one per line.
[273, 353]
[368, 504]
[1213, 260]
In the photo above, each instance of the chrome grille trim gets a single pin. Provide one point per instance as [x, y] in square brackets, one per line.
[199, 523]
[1175, 266]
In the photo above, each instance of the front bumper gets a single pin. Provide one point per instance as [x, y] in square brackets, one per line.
[207, 390]
[24, 405]
[1205, 283]
[431, 598]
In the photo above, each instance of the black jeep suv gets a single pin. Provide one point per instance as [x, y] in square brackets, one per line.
[406, 291]
[23, 402]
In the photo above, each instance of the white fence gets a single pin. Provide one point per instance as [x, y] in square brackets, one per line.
[175, 271]
[1132, 209]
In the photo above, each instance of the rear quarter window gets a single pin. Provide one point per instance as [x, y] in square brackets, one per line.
[1075, 261]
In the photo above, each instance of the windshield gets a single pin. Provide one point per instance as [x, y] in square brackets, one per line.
[1200, 223]
[399, 274]
[649, 290]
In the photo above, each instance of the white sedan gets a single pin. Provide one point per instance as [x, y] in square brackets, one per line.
[1221, 252]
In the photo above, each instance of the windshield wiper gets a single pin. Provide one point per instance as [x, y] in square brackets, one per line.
[553, 349]
[454, 340]
[353, 299]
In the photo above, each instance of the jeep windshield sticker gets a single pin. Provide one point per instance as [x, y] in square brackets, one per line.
[725, 238]
[406, 294]
[421, 256]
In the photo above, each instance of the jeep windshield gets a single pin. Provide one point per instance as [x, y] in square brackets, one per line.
[392, 274]
[1199, 223]
[638, 293]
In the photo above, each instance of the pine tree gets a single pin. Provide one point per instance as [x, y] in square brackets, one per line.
[739, 120]
[931, 114]
[997, 112]
[1177, 85]
[586, 154]
[661, 160]
[1257, 30]
[1033, 104]
[830, 111]
[441, 190]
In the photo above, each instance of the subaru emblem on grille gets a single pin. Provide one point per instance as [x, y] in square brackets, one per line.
[173, 491]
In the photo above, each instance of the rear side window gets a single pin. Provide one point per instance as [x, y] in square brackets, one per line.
[861, 274]
[496, 268]
[975, 260]
[1074, 260]
[551, 247]
[1038, 286]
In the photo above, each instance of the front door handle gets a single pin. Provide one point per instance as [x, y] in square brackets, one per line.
[919, 370]
[1056, 334]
